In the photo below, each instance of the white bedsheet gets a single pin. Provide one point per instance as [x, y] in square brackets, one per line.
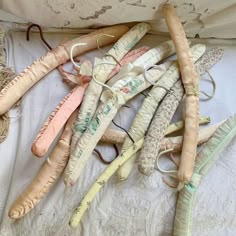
[140, 206]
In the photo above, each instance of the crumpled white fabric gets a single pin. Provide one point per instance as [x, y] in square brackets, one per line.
[141, 206]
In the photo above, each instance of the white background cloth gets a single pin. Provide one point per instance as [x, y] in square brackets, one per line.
[208, 18]
[142, 206]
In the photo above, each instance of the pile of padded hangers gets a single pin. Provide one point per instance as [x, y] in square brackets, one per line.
[87, 111]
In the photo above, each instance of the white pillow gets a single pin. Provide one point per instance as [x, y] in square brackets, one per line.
[208, 18]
